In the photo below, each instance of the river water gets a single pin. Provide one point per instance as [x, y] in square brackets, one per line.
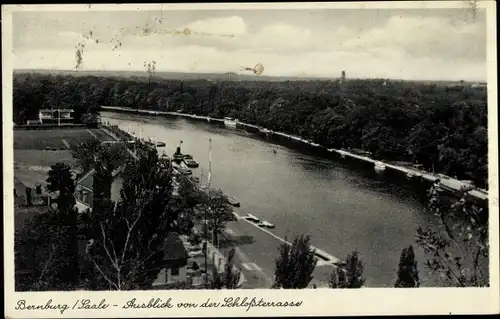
[341, 208]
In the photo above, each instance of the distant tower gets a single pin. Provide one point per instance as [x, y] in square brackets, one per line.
[342, 76]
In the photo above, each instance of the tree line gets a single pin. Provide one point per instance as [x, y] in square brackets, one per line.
[444, 128]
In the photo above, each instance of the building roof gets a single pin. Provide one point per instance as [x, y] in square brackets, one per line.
[174, 249]
[87, 180]
[53, 110]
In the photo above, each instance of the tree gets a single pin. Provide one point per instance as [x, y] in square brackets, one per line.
[91, 120]
[86, 153]
[102, 180]
[351, 276]
[60, 179]
[189, 198]
[408, 271]
[295, 264]
[218, 211]
[215, 281]
[127, 252]
[42, 259]
[458, 249]
[230, 278]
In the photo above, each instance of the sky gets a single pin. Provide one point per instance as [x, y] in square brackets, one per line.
[413, 44]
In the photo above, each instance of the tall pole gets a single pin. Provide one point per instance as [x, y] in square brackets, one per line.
[58, 117]
[209, 162]
[208, 188]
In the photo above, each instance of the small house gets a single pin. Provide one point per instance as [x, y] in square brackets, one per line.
[175, 263]
[56, 116]
[84, 195]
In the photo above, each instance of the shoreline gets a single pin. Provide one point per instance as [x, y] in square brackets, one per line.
[450, 185]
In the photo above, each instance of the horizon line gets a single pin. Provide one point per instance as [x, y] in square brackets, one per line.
[256, 76]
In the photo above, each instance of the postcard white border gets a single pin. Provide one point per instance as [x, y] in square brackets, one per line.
[369, 301]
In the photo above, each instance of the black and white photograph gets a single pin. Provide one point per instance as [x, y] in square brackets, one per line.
[226, 147]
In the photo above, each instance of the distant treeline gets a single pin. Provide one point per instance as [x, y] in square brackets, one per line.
[441, 127]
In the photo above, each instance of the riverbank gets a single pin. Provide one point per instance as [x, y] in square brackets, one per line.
[448, 184]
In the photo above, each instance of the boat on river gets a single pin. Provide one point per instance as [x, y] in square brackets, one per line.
[252, 218]
[178, 156]
[161, 144]
[380, 166]
[230, 122]
[264, 130]
[265, 224]
[233, 202]
[189, 161]
[182, 169]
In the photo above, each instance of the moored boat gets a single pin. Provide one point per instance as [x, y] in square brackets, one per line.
[178, 156]
[161, 144]
[233, 202]
[185, 171]
[265, 224]
[252, 218]
[181, 169]
[379, 166]
[264, 130]
[189, 161]
[230, 122]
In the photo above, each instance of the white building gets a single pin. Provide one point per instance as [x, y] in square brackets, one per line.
[56, 115]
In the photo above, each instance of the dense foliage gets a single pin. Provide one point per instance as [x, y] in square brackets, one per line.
[227, 280]
[295, 264]
[351, 276]
[442, 127]
[407, 270]
[46, 250]
[458, 247]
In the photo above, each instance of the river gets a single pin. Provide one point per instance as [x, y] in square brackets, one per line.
[341, 208]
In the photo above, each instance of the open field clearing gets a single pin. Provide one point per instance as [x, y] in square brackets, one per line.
[54, 139]
[32, 157]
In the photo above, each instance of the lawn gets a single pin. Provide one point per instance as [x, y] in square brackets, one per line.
[42, 158]
[32, 158]
[55, 139]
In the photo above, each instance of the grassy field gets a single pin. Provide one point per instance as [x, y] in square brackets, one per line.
[36, 150]
[32, 160]
[42, 158]
[54, 139]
